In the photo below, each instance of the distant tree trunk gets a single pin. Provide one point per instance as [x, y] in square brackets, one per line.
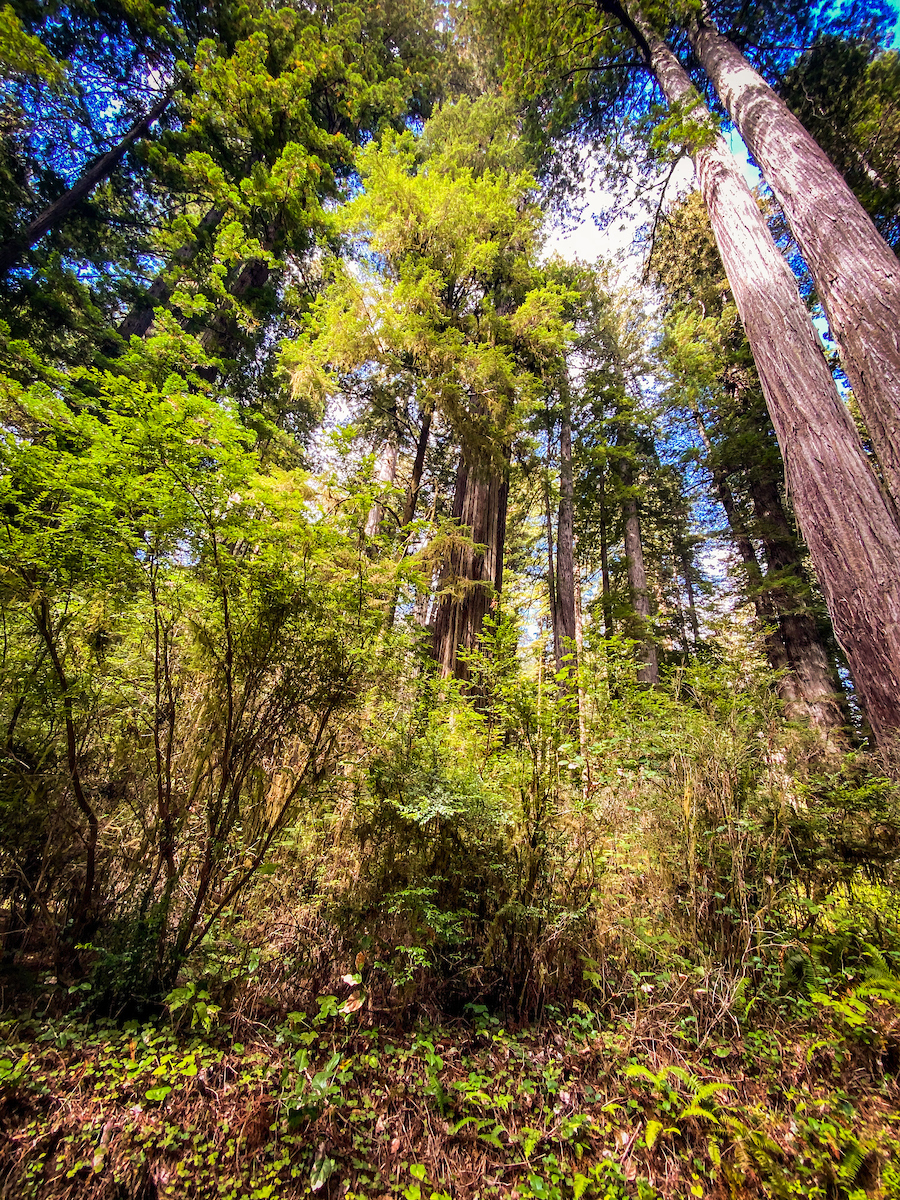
[84, 911]
[138, 321]
[415, 480]
[551, 578]
[473, 575]
[671, 571]
[685, 560]
[605, 584]
[846, 521]
[411, 501]
[857, 275]
[385, 474]
[565, 537]
[60, 209]
[776, 653]
[648, 671]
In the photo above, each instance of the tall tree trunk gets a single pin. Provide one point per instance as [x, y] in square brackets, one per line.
[845, 518]
[686, 562]
[857, 275]
[411, 501]
[473, 575]
[671, 572]
[84, 911]
[565, 536]
[605, 584]
[57, 212]
[648, 671]
[415, 480]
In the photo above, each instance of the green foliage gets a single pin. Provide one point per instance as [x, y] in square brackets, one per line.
[447, 301]
[548, 1115]
[164, 583]
[22, 53]
[847, 94]
[233, 783]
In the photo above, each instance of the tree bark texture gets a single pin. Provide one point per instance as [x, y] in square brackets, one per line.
[473, 574]
[846, 520]
[857, 275]
[55, 213]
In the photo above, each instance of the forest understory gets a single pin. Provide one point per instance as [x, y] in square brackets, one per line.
[648, 993]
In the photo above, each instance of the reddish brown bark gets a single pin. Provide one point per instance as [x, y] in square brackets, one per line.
[857, 275]
[845, 518]
[473, 575]
[819, 687]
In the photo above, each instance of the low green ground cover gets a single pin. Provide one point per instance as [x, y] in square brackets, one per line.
[795, 1099]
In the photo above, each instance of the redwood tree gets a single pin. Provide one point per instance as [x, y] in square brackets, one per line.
[447, 292]
[714, 380]
[848, 524]
[857, 275]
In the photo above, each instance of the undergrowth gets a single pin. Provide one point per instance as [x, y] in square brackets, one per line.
[641, 1101]
[489, 956]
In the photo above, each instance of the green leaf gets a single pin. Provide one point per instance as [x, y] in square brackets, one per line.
[323, 1168]
[651, 1133]
[579, 1185]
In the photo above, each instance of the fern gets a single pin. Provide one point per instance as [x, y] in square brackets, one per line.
[851, 1164]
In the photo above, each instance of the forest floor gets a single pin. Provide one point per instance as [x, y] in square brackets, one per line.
[347, 1102]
